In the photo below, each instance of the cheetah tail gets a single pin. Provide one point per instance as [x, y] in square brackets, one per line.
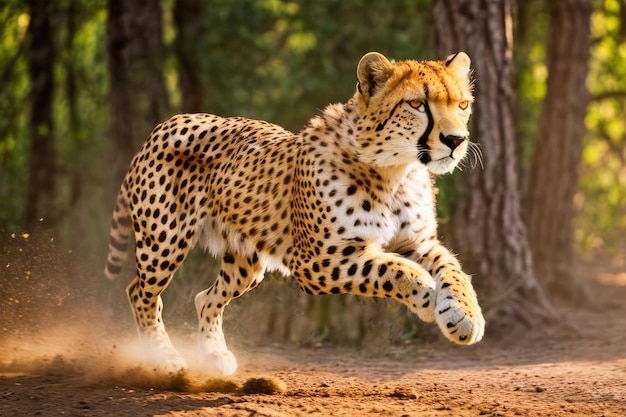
[118, 237]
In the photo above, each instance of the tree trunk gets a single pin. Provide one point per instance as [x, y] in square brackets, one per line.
[188, 19]
[40, 195]
[71, 90]
[488, 229]
[558, 147]
[138, 95]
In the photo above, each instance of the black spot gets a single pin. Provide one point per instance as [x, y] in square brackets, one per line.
[229, 259]
[366, 268]
[335, 274]
[366, 205]
[352, 270]
[387, 286]
[382, 270]
[351, 189]
[348, 250]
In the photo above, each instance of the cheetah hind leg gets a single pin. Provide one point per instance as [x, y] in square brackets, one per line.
[238, 275]
[217, 360]
[154, 339]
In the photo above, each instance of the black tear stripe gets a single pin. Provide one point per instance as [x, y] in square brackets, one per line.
[422, 143]
[381, 125]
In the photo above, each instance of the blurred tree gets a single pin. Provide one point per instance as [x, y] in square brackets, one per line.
[71, 91]
[138, 95]
[601, 200]
[188, 18]
[488, 229]
[14, 134]
[40, 195]
[558, 148]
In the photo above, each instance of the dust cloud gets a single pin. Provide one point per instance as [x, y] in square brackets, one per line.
[59, 318]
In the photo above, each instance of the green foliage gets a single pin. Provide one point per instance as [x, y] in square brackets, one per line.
[532, 22]
[601, 199]
[13, 117]
[282, 60]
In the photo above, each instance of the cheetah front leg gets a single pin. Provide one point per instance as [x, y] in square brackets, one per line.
[457, 311]
[238, 274]
[369, 271]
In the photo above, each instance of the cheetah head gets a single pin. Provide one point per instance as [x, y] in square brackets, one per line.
[413, 110]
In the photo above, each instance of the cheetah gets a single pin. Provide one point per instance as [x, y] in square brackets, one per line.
[345, 206]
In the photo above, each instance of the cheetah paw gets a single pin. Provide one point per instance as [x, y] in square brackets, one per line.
[220, 363]
[166, 360]
[460, 320]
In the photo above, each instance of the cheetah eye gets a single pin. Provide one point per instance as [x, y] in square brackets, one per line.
[464, 105]
[417, 105]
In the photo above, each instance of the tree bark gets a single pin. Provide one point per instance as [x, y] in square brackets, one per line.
[488, 230]
[138, 94]
[188, 19]
[558, 148]
[40, 195]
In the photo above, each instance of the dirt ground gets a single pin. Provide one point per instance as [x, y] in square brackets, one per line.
[575, 369]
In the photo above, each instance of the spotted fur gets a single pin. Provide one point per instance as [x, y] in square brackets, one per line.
[345, 206]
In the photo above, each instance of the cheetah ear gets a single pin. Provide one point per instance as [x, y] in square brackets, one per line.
[373, 70]
[459, 65]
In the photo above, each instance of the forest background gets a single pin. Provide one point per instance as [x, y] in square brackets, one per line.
[83, 82]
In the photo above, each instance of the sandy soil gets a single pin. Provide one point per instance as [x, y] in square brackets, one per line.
[579, 370]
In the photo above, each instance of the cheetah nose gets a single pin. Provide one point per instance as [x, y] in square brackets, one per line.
[451, 141]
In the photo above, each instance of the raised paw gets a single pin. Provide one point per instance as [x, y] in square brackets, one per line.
[220, 363]
[458, 314]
